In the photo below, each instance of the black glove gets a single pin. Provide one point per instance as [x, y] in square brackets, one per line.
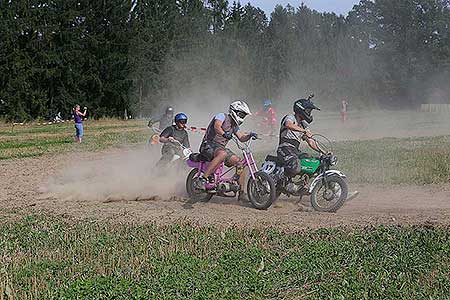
[253, 135]
[227, 135]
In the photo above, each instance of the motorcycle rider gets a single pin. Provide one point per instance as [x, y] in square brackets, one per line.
[219, 131]
[293, 130]
[268, 114]
[165, 120]
[171, 138]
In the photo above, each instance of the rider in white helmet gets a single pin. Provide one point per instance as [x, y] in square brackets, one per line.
[220, 130]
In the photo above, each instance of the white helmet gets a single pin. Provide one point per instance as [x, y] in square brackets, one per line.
[238, 111]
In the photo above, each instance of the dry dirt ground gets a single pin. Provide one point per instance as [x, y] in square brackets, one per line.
[117, 186]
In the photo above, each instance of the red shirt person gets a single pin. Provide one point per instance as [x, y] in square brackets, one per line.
[269, 116]
[344, 107]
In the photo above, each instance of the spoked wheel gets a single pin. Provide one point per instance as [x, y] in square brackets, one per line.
[329, 198]
[261, 190]
[193, 191]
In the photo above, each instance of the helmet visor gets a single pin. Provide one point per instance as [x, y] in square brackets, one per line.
[241, 114]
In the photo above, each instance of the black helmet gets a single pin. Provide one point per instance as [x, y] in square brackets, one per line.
[303, 108]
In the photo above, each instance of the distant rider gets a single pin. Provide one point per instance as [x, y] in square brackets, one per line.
[293, 130]
[171, 138]
[219, 132]
[269, 115]
[165, 120]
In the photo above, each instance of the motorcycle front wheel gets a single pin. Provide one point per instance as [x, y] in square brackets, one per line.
[261, 191]
[331, 197]
[193, 192]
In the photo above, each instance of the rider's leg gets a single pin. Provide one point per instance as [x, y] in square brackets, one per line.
[167, 154]
[219, 158]
[291, 160]
[235, 161]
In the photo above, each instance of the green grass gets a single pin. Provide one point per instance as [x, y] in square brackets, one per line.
[54, 139]
[421, 160]
[47, 258]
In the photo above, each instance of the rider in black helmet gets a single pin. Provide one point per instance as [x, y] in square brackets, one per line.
[165, 120]
[294, 129]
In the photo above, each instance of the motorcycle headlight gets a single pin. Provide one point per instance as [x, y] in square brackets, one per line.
[333, 160]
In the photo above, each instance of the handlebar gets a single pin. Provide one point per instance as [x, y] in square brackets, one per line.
[243, 146]
[178, 144]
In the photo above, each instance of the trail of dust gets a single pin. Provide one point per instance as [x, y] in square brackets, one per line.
[122, 176]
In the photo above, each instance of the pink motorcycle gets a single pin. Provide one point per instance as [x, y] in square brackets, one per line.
[224, 182]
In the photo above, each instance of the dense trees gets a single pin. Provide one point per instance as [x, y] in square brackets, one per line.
[117, 55]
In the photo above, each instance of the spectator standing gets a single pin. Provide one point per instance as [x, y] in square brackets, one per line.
[77, 114]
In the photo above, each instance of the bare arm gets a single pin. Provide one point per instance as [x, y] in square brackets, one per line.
[164, 140]
[166, 136]
[83, 114]
[291, 126]
[243, 137]
[313, 144]
[218, 127]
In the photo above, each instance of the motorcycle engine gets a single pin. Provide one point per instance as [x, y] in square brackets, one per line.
[297, 183]
[226, 187]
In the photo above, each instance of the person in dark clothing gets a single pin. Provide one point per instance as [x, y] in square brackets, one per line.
[172, 137]
[294, 129]
[165, 120]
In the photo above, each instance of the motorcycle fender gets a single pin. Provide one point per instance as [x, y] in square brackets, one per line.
[327, 174]
[193, 164]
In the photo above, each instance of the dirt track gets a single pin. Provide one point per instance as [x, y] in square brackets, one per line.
[23, 182]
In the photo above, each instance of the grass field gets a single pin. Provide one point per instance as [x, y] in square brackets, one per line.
[48, 258]
[32, 141]
[418, 160]
[45, 257]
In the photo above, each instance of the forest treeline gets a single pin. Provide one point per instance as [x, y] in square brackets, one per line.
[133, 55]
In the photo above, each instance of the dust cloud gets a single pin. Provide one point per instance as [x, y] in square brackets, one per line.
[131, 175]
[127, 175]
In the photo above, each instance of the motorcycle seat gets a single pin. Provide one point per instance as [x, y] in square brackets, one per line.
[198, 157]
[275, 159]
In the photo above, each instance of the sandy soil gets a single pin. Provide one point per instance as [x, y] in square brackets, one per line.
[118, 186]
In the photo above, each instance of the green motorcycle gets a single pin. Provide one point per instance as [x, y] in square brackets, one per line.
[326, 187]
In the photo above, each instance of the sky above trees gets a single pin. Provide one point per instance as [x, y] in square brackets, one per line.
[337, 6]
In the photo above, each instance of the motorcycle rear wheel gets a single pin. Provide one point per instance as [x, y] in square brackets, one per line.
[321, 196]
[192, 191]
[263, 182]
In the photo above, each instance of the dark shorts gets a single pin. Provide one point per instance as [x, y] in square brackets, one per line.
[167, 153]
[290, 157]
[209, 150]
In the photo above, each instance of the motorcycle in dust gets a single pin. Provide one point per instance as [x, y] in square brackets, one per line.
[260, 187]
[327, 188]
[178, 159]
